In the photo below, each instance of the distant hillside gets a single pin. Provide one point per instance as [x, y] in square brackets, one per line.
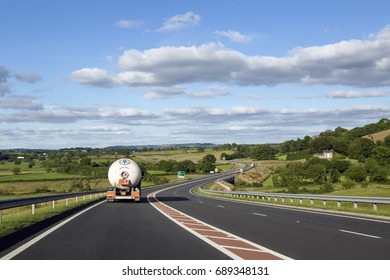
[369, 129]
[378, 136]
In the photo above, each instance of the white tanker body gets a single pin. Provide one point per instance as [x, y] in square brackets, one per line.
[125, 178]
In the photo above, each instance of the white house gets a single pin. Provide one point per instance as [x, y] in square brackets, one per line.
[326, 154]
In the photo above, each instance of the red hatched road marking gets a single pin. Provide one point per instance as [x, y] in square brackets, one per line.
[230, 244]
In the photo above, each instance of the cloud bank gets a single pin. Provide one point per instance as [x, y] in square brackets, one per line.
[360, 63]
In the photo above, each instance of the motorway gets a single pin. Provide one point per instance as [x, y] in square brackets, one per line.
[175, 223]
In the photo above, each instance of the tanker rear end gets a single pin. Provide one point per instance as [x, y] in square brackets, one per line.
[125, 178]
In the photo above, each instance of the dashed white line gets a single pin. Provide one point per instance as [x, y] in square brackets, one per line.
[361, 234]
[220, 206]
[259, 214]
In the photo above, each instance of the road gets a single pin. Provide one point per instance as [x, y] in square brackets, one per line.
[175, 223]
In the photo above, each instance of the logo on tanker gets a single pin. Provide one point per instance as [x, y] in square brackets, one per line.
[124, 162]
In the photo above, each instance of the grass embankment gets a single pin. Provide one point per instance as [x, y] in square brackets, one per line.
[249, 181]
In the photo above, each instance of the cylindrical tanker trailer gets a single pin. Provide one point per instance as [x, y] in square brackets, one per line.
[125, 178]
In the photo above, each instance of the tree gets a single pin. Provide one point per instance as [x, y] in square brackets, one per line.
[319, 144]
[16, 171]
[340, 165]
[263, 152]
[85, 161]
[340, 145]
[210, 158]
[356, 173]
[317, 173]
[187, 166]
[207, 164]
[387, 141]
[166, 165]
[379, 174]
[381, 155]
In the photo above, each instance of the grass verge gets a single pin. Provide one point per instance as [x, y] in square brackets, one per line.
[14, 219]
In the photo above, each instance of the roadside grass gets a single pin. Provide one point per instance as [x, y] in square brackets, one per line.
[21, 188]
[17, 218]
[363, 208]
[38, 176]
[178, 155]
[225, 166]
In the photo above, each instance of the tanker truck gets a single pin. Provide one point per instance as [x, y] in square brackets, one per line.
[125, 178]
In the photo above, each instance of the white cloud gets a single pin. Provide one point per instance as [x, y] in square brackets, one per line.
[21, 102]
[360, 63]
[234, 36]
[180, 21]
[263, 117]
[93, 76]
[126, 24]
[28, 77]
[4, 84]
[61, 115]
[168, 92]
[357, 94]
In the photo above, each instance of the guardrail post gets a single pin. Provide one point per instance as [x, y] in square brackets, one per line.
[300, 201]
[53, 204]
[324, 202]
[338, 204]
[291, 200]
[283, 199]
[375, 206]
[32, 209]
[355, 205]
[311, 201]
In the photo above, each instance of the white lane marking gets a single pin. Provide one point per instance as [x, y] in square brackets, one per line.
[221, 248]
[25, 246]
[220, 237]
[200, 201]
[220, 206]
[241, 248]
[259, 214]
[361, 234]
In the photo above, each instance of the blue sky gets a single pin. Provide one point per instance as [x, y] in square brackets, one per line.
[101, 73]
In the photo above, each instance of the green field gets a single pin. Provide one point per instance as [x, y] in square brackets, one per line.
[36, 179]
